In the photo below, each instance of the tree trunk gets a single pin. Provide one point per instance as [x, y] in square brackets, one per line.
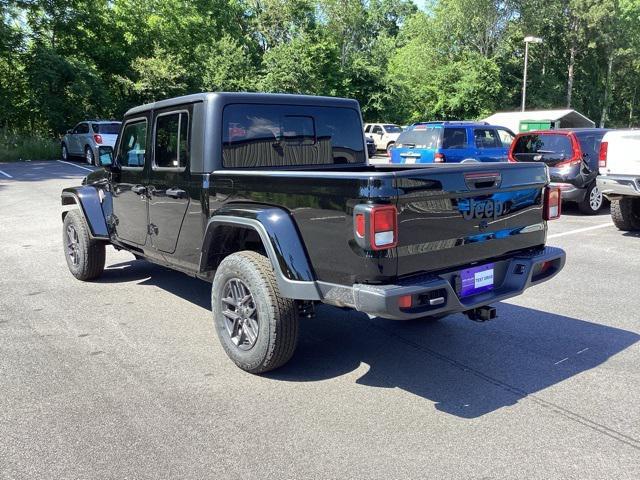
[607, 84]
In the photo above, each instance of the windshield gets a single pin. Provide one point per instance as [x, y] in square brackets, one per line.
[107, 128]
[420, 136]
[393, 129]
[542, 147]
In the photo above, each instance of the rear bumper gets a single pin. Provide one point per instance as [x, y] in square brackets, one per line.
[436, 294]
[616, 185]
[570, 192]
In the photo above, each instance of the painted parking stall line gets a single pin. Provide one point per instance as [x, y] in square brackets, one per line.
[74, 165]
[5, 174]
[580, 230]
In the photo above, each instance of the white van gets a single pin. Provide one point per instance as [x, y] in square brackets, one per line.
[619, 180]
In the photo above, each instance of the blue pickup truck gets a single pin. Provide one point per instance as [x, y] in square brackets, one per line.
[452, 142]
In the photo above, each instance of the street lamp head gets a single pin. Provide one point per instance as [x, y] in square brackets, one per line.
[531, 39]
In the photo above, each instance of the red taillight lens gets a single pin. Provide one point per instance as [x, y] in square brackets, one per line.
[438, 158]
[360, 229]
[98, 138]
[552, 203]
[384, 225]
[602, 155]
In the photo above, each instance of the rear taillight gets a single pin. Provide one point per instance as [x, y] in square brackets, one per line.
[98, 138]
[577, 153]
[438, 158]
[552, 203]
[376, 226]
[602, 155]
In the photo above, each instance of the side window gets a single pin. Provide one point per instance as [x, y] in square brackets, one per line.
[171, 148]
[506, 137]
[486, 138]
[367, 128]
[454, 138]
[132, 148]
[81, 128]
[377, 129]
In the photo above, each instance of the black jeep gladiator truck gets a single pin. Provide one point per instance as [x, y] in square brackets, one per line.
[271, 198]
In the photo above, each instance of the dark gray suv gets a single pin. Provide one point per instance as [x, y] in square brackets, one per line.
[85, 138]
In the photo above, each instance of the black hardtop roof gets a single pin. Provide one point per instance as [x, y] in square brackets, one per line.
[224, 98]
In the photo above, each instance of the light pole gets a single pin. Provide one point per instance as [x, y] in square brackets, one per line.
[527, 40]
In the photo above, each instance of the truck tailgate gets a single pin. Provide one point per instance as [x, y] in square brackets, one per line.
[453, 215]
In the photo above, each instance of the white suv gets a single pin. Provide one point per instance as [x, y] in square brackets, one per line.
[619, 180]
[384, 134]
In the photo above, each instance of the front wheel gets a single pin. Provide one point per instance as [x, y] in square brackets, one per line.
[85, 256]
[390, 146]
[65, 152]
[593, 200]
[257, 328]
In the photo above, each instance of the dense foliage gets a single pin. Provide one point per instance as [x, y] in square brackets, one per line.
[66, 60]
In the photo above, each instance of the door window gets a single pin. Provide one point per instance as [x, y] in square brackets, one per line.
[486, 138]
[171, 149]
[454, 138]
[367, 128]
[377, 129]
[132, 148]
[506, 137]
[81, 128]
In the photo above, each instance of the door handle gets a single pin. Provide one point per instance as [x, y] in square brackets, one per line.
[139, 189]
[176, 193]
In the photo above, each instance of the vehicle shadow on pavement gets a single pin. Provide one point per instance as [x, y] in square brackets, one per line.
[188, 288]
[572, 210]
[466, 369]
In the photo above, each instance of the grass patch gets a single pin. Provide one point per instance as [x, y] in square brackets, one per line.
[19, 147]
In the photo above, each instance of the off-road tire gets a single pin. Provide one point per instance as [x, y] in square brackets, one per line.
[89, 263]
[277, 316]
[585, 205]
[625, 213]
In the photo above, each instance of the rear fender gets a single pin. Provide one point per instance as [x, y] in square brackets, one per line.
[279, 237]
[88, 200]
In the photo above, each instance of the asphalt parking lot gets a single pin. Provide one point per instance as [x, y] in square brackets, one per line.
[124, 378]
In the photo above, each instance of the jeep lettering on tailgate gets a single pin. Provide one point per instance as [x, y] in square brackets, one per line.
[484, 209]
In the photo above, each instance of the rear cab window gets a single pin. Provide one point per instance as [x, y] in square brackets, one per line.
[420, 136]
[536, 146]
[255, 135]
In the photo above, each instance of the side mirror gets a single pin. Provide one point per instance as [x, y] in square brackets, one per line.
[105, 156]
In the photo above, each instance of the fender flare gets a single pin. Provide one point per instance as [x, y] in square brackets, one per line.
[280, 239]
[88, 201]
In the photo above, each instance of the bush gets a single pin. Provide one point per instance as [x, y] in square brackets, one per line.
[18, 147]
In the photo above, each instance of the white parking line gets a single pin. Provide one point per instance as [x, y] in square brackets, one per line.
[580, 230]
[74, 165]
[5, 174]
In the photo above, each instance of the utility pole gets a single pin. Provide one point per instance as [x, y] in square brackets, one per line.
[527, 40]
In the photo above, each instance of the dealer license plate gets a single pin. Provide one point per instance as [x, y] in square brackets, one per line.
[476, 280]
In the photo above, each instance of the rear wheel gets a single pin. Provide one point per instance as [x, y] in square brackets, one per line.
[89, 156]
[85, 256]
[625, 213]
[257, 328]
[390, 145]
[593, 200]
[65, 152]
